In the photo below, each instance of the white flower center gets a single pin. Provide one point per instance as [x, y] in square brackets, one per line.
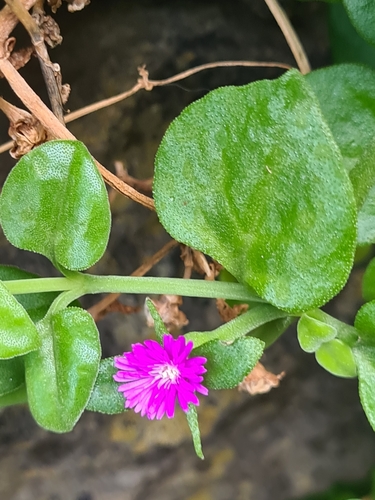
[166, 372]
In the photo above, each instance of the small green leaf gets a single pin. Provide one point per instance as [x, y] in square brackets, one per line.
[54, 202]
[337, 358]
[362, 15]
[192, 419]
[36, 304]
[12, 375]
[368, 283]
[105, 397]
[228, 364]
[253, 177]
[364, 355]
[312, 333]
[160, 328]
[18, 334]
[346, 94]
[16, 397]
[365, 322]
[60, 376]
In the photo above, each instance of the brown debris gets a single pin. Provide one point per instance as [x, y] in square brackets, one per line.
[75, 5]
[20, 58]
[260, 381]
[195, 260]
[49, 29]
[227, 313]
[168, 308]
[116, 306]
[54, 4]
[26, 131]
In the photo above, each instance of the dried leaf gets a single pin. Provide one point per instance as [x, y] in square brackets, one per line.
[20, 58]
[49, 28]
[227, 313]
[168, 308]
[54, 4]
[26, 131]
[75, 5]
[260, 381]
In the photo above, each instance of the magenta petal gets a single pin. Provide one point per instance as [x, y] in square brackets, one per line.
[153, 377]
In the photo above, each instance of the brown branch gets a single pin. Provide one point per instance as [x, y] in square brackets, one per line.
[97, 310]
[144, 83]
[290, 36]
[8, 21]
[48, 69]
[57, 130]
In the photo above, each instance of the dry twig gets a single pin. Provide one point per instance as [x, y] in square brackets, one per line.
[50, 71]
[290, 36]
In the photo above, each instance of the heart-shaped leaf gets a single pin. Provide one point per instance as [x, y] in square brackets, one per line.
[18, 334]
[252, 176]
[337, 358]
[228, 364]
[105, 397]
[54, 202]
[312, 333]
[61, 374]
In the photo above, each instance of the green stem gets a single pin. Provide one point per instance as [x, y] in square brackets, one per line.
[130, 284]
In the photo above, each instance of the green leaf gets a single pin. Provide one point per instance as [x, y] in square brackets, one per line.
[15, 397]
[192, 419]
[61, 375]
[364, 355]
[271, 331]
[363, 180]
[362, 15]
[252, 176]
[36, 304]
[346, 44]
[238, 327]
[365, 322]
[54, 202]
[160, 328]
[312, 333]
[346, 94]
[228, 364]
[368, 283]
[105, 397]
[12, 375]
[337, 358]
[18, 334]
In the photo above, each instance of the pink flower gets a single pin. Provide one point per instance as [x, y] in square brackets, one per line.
[154, 376]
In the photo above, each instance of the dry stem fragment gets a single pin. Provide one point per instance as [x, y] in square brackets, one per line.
[227, 313]
[25, 130]
[260, 381]
[49, 28]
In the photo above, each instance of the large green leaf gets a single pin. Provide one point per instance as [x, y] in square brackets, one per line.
[365, 322]
[363, 180]
[18, 334]
[61, 375]
[362, 15]
[346, 94]
[252, 176]
[12, 375]
[54, 202]
[364, 355]
[105, 397]
[228, 364]
[346, 44]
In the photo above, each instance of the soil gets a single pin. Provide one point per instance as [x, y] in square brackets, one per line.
[300, 438]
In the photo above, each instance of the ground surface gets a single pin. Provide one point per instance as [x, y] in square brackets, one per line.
[297, 439]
